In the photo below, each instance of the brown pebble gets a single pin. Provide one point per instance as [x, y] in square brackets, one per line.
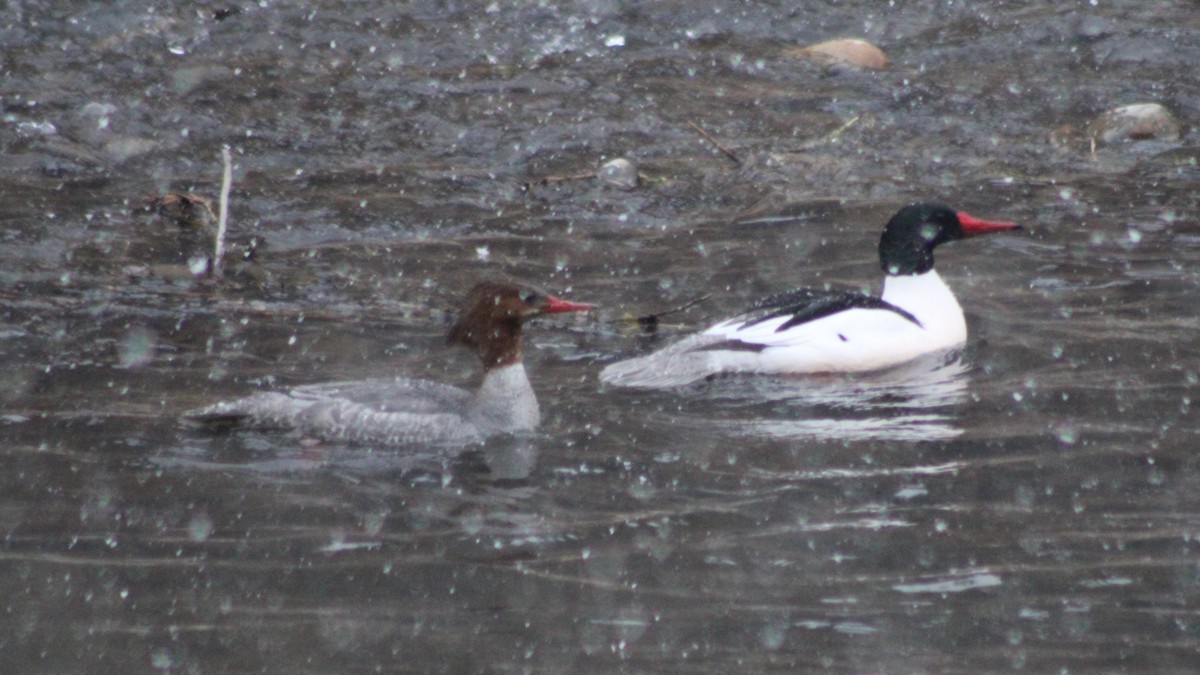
[851, 51]
[189, 211]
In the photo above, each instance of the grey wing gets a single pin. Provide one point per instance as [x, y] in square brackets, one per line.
[295, 406]
[388, 411]
[398, 395]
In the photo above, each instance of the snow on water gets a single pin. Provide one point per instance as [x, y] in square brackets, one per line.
[1031, 508]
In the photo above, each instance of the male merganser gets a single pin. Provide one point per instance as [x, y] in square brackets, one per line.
[400, 411]
[819, 331]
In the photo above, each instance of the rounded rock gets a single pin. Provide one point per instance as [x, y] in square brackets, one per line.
[1137, 122]
[848, 51]
[619, 172]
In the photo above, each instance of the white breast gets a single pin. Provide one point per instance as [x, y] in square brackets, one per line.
[930, 300]
[505, 402]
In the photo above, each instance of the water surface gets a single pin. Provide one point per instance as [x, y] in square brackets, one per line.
[1029, 506]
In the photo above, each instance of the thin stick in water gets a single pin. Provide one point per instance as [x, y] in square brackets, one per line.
[716, 144]
[549, 180]
[649, 322]
[838, 132]
[218, 263]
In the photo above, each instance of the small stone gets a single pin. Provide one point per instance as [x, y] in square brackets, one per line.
[186, 80]
[124, 148]
[189, 211]
[849, 51]
[97, 110]
[1137, 122]
[619, 172]
[137, 347]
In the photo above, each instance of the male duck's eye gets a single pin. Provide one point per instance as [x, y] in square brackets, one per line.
[529, 297]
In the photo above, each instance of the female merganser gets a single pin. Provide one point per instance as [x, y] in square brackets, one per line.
[818, 331]
[400, 411]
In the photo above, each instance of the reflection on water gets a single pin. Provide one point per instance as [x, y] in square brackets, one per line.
[900, 428]
[953, 585]
[910, 403]
[507, 458]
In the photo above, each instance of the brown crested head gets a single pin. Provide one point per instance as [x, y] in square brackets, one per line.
[490, 323]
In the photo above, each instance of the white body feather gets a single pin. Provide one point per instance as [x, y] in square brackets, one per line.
[851, 340]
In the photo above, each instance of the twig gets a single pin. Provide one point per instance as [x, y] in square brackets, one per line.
[548, 180]
[649, 322]
[716, 144]
[218, 263]
[838, 132]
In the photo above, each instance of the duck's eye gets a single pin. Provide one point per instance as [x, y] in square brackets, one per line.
[529, 297]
